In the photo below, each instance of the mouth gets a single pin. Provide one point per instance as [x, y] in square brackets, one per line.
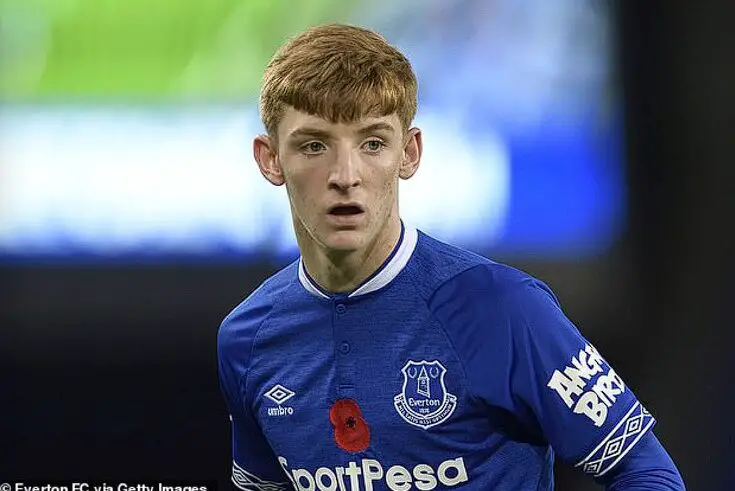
[348, 209]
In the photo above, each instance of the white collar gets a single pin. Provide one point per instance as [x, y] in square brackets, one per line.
[387, 272]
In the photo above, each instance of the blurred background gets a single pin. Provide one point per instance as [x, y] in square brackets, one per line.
[588, 142]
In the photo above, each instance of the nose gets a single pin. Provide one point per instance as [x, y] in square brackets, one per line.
[345, 172]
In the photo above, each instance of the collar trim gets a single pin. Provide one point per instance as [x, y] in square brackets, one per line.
[381, 278]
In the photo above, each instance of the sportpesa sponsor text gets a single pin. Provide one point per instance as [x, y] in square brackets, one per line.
[361, 476]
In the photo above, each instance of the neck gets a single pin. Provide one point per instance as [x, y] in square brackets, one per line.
[340, 271]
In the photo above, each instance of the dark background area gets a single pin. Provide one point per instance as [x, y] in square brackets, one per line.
[110, 372]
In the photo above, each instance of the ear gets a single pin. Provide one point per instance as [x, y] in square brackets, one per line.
[265, 152]
[411, 153]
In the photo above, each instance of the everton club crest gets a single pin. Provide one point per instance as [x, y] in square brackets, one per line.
[424, 400]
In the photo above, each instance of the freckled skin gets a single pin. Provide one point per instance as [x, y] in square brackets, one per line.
[323, 164]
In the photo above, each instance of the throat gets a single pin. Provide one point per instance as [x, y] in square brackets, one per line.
[337, 272]
[345, 272]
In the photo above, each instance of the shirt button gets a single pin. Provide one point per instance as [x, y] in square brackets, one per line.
[341, 309]
[344, 347]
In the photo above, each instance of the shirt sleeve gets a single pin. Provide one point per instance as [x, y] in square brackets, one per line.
[586, 411]
[520, 352]
[647, 467]
[254, 465]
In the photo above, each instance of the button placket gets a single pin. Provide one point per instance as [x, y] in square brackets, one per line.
[343, 345]
[343, 348]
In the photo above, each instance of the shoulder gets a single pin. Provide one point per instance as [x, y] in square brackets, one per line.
[239, 328]
[445, 272]
[473, 297]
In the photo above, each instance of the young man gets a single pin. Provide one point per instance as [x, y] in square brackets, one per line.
[383, 358]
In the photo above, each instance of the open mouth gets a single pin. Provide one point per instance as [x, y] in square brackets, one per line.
[345, 210]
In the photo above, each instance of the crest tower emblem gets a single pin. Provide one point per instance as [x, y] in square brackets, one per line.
[424, 400]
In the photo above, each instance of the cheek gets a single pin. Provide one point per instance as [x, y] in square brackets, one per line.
[302, 188]
[389, 183]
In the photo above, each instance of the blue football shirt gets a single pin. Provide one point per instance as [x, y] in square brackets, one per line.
[443, 370]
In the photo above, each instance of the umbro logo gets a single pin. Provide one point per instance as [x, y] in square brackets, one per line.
[280, 394]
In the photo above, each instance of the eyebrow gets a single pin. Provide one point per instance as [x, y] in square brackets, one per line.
[325, 135]
[309, 132]
[380, 126]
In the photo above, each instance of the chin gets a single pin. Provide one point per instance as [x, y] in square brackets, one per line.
[344, 240]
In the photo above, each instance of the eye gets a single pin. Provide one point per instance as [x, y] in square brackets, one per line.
[374, 146]
[313, 147]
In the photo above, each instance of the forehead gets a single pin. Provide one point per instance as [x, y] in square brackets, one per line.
[294, 122]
